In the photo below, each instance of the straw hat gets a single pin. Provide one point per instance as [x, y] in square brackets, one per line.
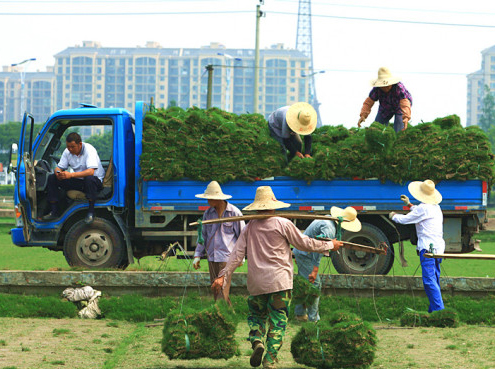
[213, 192]
[385, 78]
[265, 200]
[425, 192]
[301, 118]
[350, 214]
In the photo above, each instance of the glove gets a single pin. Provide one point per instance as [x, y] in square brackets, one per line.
[391, 214]
[405, 199]
[361, 120]
[337, 244]
[196, 263]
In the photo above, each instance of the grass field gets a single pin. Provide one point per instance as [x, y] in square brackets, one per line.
[71, 343]
[35, 258]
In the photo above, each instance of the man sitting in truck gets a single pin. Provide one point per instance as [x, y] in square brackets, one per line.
[87, 175]
[219, 238]
[288, 122]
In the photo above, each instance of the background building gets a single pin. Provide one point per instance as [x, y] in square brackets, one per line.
[476, 84]
[118, 77]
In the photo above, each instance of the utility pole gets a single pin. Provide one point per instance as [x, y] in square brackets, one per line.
[209, 68]
[259, 14]
[22, 70]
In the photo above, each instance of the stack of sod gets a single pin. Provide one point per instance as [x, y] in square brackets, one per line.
[442, 318]
[342, 341]
[215, 145]
[209, 333]
[303, 292]
[208, 144]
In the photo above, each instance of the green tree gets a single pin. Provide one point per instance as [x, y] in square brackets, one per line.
[102, 144]
[487, 118]
[10, 133]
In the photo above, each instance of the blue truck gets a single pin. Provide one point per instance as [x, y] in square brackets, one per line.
[136, 218]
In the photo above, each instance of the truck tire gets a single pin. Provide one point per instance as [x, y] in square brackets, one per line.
[348, 261]
[96, 245]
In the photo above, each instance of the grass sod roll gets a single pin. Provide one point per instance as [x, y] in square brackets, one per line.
[304, 292]
[348, 343]
[447, 317]
[193, 333]
[216, 145]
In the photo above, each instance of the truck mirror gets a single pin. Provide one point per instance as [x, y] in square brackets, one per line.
[12, 158]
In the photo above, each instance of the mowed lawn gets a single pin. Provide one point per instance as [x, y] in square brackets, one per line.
[35, 258]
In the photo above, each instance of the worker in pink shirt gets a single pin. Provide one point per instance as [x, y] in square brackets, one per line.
[266, 242]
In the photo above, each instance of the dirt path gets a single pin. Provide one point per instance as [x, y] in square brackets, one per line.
[74, 343]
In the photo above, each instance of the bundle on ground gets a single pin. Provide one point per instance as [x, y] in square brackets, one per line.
[344, 341]
[216, 145]
[304, 292]
[442, 318]
[207, 333]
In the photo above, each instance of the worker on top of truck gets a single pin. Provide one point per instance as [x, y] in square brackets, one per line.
[87, 175]
[394, 100]
[428, 219]
[288, 122]
[219, 238]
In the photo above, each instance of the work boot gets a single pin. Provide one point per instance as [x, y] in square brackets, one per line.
[257, 355]
[302, 318]
[89, 218]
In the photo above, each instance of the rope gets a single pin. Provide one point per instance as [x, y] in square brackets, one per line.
[318, 339]
[338, 233]
[201, 240]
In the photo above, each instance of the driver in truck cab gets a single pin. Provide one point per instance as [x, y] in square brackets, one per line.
[87, 175]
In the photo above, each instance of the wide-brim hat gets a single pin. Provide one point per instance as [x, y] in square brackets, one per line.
[350, 214]
[301, 118]
[385, 78]
[213, 192]
[265, 200]
[425, 192]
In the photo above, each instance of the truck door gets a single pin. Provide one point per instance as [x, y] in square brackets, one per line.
[26, 179]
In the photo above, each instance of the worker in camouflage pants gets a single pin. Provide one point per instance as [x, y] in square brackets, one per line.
[266, 242]
[275, 307]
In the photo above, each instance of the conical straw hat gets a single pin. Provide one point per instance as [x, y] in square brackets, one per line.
[301, 118]
[385, 78]
[265, 200]
[213, 192]
[425, 192]
[350, 214]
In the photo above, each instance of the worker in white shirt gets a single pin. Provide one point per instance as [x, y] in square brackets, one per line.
[428, 218]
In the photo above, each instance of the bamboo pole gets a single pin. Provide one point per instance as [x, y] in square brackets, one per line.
[358, 247]
[460, 256]
[265, 216]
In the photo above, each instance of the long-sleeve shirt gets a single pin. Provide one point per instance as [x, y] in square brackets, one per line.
[277, 121]
[390, 102]
[323, 228]
[220, 238]
[428, 219]
[267, 245]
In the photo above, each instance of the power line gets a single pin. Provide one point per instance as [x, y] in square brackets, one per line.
[133, 13]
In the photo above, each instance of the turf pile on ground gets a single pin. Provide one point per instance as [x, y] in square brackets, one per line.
[190, 333]
[213, 144]
[342, 341]
[303, 292]
[442, 318]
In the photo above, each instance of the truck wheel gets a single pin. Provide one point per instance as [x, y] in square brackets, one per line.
[348, 261]
[97, 245]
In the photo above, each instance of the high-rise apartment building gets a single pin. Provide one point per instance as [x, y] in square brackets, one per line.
[118, 77]
[476, 86]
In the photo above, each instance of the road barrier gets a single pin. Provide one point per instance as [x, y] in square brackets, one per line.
[153, 284]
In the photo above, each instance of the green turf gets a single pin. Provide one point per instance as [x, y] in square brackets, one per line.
[35, 258]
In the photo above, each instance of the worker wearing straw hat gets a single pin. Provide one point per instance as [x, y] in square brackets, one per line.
[308, 263]
[428, 218]
[394, 100]
[288, 122]
[219, 238]
[270, 271]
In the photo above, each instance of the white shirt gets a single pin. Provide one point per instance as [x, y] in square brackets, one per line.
[428, 219]
[278, 122]
[87, 158]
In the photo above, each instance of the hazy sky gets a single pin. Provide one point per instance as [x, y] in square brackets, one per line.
[351, 40]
